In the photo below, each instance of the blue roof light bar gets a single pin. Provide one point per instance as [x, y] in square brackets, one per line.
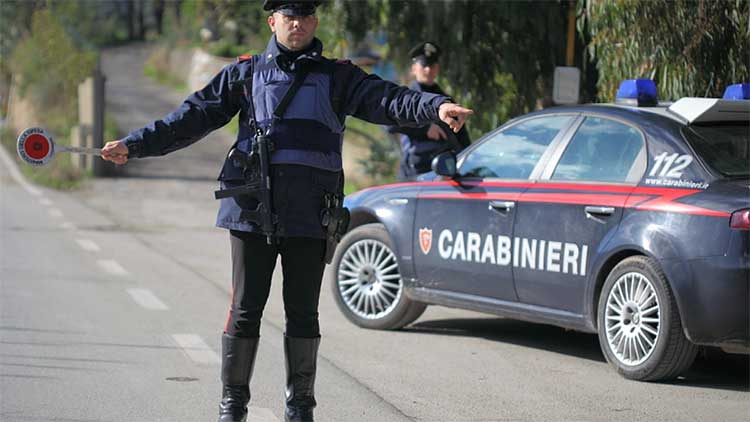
[637, 92]
[737, 92]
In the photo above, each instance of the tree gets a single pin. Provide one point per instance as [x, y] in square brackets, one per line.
[688, 48]
[498, 57]
[51, 66]
[15, 23]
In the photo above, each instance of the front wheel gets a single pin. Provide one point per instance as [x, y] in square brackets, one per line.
[639, 324]
[366, 281]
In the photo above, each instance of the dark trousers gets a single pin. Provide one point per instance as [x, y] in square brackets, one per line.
[253, 262]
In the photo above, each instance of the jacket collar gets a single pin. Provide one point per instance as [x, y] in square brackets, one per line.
[272, 51]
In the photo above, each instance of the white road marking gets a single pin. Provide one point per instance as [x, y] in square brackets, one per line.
[9, 164]
[46, 202]
[196, 349]
[111, 266]
[88, 245]
[55, 212]
[147, 299]
[260, 414]
[68, 225]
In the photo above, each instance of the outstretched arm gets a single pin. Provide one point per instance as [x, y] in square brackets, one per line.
[202, 112]
[382, 102]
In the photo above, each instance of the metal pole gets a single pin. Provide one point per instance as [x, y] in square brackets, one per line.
[571, 33]
[99, 166]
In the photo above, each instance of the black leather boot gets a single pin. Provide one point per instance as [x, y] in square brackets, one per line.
[237, 361]
[301, 356]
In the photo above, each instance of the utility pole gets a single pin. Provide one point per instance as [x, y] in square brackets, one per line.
[571, 33]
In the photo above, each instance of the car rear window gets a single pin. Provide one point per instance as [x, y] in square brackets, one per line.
[602, 150]
[723, 147]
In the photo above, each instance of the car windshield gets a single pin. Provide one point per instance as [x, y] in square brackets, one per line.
[724, 147]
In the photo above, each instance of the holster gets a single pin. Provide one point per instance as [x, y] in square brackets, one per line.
[335, 218]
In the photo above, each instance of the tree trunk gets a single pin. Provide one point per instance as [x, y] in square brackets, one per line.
[139, 16]
[130, 16]
[159, 16]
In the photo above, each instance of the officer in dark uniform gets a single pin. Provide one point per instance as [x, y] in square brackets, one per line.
[419, 145]
[305, 168]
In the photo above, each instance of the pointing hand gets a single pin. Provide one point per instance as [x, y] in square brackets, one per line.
[454, 115]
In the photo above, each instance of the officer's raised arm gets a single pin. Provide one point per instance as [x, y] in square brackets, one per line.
[383, 102]
[202, 112]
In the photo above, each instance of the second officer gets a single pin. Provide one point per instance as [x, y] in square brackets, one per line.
[419, 145]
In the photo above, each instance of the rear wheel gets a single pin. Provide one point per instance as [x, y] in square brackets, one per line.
[366, 281]
[639, 324]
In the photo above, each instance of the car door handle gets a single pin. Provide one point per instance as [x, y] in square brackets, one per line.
[398, 201]
[591, 210]
[502, 205]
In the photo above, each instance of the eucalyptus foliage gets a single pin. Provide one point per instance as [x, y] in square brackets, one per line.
[689, 48]
[498, 56]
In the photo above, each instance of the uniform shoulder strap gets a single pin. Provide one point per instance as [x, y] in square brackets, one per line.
[244, 58]
[299, 78]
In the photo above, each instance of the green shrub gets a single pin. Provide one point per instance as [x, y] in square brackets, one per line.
[111, 128]
[224, 48]
[50, 65]
[163, 77]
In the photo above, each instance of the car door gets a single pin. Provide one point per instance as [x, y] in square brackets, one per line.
[463, 227]
[578, 201]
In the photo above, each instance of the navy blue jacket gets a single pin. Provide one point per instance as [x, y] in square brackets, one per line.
[353, 91]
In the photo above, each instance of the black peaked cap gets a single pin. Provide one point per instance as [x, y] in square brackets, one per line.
[426, 53]
[292, 7]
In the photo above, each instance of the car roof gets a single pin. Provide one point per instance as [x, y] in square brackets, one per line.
[658, 115]
[684, 111]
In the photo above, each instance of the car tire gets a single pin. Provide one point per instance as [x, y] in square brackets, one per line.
[639, 324]
[366, 282]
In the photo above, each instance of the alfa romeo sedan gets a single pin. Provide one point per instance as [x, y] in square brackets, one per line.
[630, 220]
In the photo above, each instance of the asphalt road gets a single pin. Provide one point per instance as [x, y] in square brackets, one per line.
[113, 298]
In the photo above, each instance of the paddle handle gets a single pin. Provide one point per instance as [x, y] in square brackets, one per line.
[78, 150]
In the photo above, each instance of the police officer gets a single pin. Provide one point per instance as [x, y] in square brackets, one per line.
[419, 145]
[305, 168]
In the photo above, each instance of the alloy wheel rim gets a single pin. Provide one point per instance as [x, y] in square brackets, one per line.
[632, 319]
[368, 279]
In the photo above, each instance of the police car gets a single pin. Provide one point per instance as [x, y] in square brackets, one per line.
[630, 220]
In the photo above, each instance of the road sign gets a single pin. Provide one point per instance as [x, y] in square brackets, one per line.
[567, 85]
[35, 146]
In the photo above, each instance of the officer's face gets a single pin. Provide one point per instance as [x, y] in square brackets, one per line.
[425, 74]
[293, 32]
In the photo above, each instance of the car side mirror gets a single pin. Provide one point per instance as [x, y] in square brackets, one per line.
[445, 164]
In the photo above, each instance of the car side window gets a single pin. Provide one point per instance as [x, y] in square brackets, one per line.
[513, 152]
[602, 150]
